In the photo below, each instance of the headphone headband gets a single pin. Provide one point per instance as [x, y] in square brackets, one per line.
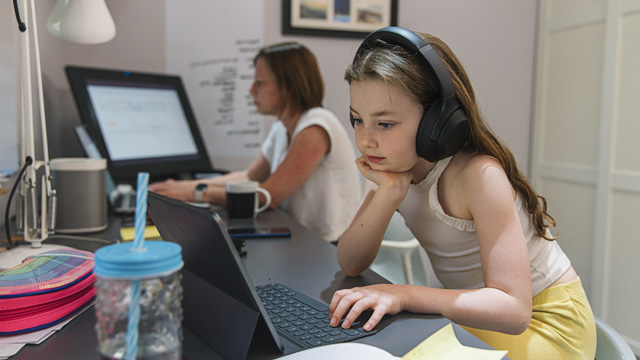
[443, 129]
[410, 41]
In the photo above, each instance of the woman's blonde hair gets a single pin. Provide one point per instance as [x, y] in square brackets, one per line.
[396, 66]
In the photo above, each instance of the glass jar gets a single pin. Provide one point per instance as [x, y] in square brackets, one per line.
[139, 301]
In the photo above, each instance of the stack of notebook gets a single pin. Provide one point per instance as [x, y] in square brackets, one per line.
[45, 290]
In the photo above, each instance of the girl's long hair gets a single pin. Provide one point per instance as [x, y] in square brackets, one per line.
[395, 65]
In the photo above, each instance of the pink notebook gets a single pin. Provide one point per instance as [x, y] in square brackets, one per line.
[45, 290]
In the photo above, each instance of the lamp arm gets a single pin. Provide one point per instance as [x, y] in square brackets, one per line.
[27, 134]
[36, 220]
[43, 121]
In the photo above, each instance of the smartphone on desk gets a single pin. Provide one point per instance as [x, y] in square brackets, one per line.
[259, 232]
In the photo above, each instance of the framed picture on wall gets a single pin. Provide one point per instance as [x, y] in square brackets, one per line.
[338, 18]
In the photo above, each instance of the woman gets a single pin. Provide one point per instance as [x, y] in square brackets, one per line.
[306, 161]
[485, 229]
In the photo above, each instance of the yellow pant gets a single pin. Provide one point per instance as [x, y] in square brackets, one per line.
[562, 327]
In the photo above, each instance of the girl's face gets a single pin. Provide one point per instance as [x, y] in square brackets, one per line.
[386, 124]
[266, 93]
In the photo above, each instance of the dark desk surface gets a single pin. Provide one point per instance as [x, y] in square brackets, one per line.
[304, 262]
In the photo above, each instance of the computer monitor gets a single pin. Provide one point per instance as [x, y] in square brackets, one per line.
[139, 122]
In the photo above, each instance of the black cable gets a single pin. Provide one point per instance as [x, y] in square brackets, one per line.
[16, 9]
[28, 161]
[22, 27]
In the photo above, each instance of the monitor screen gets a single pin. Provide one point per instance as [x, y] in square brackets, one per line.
[140, 122]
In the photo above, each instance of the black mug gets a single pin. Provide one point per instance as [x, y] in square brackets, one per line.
[242, 199]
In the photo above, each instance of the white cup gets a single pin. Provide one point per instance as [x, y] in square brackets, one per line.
[242, 199]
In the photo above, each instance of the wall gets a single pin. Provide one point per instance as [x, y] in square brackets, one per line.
[585, 146]
[477, 31]
[9, 87]
[494, 40]
[139, 45]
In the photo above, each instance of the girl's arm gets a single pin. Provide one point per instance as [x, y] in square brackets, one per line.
[504, 304]
[359, 244]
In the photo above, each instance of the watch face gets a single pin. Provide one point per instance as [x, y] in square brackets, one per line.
[201, 187]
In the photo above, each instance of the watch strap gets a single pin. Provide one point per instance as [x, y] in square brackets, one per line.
[198, 192]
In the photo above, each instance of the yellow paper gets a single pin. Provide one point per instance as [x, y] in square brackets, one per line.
[444, 345]
[150, 233]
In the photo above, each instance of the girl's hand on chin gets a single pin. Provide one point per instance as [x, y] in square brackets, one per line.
[379, 177]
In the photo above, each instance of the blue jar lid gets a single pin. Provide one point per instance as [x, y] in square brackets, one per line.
[121, 261]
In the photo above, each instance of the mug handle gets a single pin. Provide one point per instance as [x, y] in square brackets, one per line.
[267, 202]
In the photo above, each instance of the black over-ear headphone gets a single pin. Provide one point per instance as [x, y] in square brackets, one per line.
[444, 126]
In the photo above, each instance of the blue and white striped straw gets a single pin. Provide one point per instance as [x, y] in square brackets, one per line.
[141, 210]
[132, 325]
[138, 242]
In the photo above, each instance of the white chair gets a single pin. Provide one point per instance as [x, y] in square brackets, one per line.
[611, 345]
[401, 259]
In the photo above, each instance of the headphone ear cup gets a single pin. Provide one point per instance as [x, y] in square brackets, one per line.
[425, 147]
[454, 134]
[451, 127]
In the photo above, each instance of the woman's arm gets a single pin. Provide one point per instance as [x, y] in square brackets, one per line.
[183, 189]
[217, 193]
[305, 154]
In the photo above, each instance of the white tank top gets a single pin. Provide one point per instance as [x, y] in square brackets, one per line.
[452, 243]
[328, 200]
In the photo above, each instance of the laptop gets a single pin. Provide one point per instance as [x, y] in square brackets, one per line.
[222, 306]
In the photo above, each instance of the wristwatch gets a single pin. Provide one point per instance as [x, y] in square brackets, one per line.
[198, 192]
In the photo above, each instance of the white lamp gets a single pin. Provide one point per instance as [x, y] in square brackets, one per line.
[83, 21]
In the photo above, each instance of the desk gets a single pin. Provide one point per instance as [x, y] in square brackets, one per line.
[304, 262]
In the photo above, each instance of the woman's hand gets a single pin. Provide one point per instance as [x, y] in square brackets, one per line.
[180, 190]
[382, 299]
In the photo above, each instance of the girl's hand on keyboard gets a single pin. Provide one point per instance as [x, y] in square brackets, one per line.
[382, 299]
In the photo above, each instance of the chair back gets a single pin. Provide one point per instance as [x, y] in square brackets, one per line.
[397, 229]
[611, 345]
[399, 259]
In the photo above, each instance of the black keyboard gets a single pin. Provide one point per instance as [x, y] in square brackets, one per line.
[303, 320]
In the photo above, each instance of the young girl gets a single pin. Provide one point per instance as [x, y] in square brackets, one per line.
[485, 229]
[306, 161]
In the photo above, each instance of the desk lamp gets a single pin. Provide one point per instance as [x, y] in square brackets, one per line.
[80, 21]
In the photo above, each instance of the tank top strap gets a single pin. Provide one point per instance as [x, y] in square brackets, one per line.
[436, 172]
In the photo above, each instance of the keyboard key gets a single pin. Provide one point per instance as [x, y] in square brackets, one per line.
[334, 339]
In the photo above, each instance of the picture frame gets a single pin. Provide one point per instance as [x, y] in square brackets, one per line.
[337, 18]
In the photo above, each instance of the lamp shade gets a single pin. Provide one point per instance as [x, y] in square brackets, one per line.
[82, 21]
